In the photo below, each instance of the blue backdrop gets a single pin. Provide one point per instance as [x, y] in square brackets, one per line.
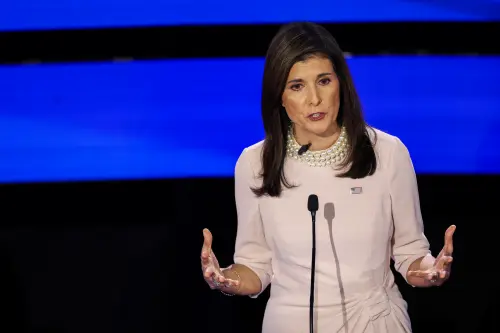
[57, 14]
[158, 119]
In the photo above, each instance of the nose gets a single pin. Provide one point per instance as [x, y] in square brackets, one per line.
[314, 97]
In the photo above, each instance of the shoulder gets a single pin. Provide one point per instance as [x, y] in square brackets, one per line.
[253, 152]
[389, 148]
[382, 140]
[249, 161]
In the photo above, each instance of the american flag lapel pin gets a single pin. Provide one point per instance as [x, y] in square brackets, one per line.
[356, 190]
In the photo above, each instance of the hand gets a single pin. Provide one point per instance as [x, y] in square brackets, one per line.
[441, 270]
[210, 266]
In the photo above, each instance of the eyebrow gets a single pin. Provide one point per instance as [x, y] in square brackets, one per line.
[319, 76]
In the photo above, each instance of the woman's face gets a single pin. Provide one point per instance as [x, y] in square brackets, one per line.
[311, 98]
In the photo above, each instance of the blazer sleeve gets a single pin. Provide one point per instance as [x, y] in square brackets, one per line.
[251, 247]
[409, 242]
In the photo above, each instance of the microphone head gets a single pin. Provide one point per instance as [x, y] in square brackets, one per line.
[312, 203]
[304, 148]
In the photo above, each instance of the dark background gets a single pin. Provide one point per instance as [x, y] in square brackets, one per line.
[124, 256]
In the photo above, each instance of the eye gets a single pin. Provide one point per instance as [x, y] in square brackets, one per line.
[296, 87]
[325, 81]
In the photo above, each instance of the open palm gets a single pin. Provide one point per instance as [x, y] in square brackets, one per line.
[212, 273]
[441, 269]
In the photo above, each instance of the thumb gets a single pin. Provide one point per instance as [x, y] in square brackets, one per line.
[207, 240]
[448, 240]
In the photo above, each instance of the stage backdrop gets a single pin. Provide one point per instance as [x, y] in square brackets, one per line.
[71, 14]
[192, 118]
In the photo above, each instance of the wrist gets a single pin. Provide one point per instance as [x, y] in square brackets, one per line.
[232, 274]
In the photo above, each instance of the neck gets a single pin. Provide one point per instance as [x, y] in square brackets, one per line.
[317, 142]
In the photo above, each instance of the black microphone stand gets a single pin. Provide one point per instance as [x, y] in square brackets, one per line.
[313, 270]
[312, 206]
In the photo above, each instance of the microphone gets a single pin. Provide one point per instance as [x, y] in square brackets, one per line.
[312, 206]
[304, 148]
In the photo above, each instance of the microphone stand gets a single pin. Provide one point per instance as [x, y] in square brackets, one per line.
[312, 206]
[313, 270]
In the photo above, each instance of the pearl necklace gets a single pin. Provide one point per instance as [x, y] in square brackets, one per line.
[320, 158]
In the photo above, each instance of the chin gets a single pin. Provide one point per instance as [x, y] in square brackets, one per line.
[322, 127]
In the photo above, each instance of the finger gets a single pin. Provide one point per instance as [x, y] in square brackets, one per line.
[207, 239]
[212, 279]
[207, 243]
[433, 278]
[230, 283]
[209, 272]
[445, 272]
[209, 279]
[206, 259]
[447, 262]
[420, 274]
[221, 278]
[448, 240]
[440, 263]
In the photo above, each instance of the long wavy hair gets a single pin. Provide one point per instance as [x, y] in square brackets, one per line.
[293, 43]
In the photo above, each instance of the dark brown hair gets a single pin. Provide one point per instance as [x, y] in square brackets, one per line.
[293, 43]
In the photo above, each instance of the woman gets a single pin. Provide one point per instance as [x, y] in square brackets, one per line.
[369, 206]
